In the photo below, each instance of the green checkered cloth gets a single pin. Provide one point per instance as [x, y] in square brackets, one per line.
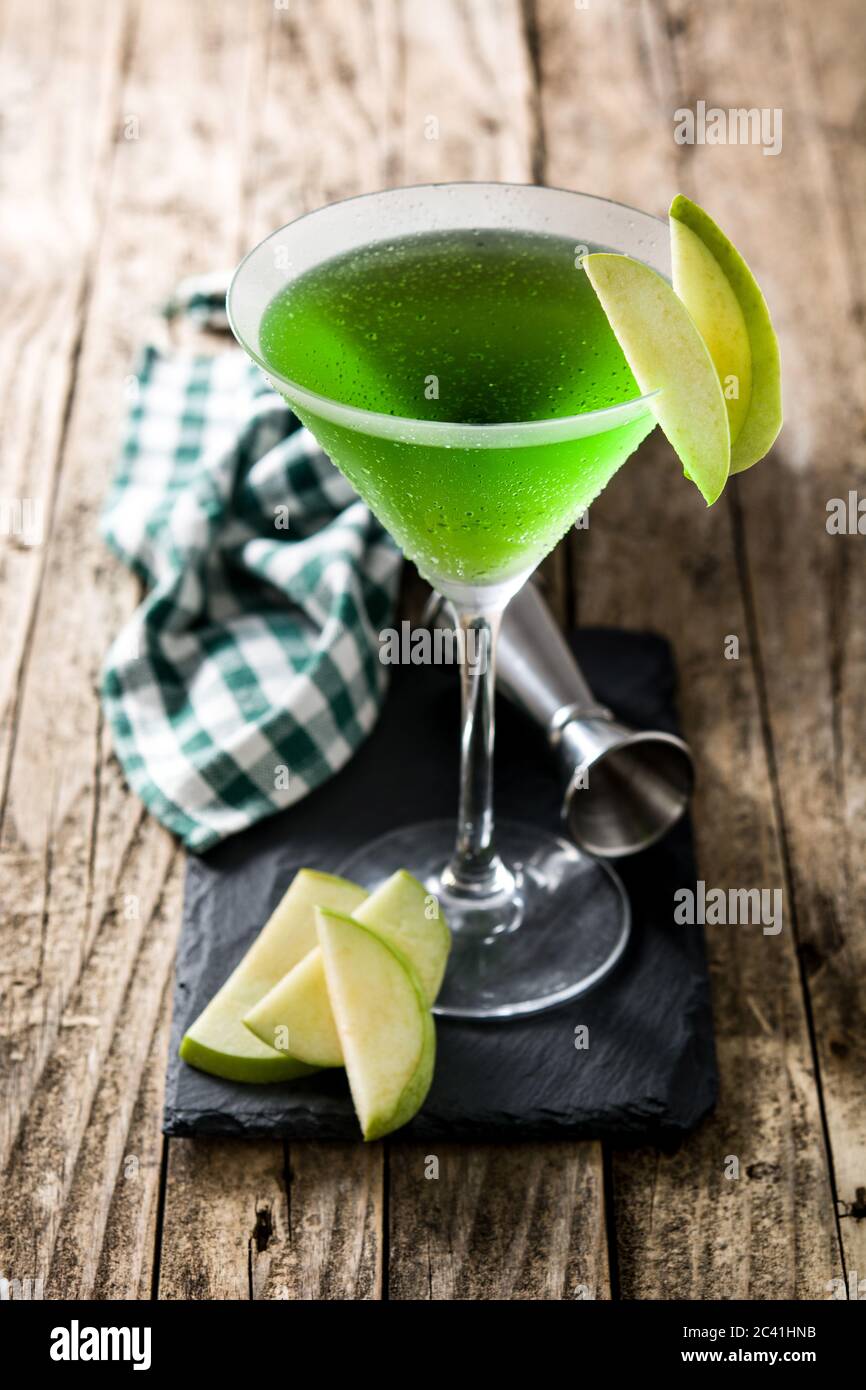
[250, 673]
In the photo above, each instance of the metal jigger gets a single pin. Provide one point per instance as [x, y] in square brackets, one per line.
[624, 787]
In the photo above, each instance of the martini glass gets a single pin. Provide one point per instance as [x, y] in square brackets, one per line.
[476, 504]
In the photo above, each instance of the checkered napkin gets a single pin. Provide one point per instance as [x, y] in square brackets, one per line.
[250, 672]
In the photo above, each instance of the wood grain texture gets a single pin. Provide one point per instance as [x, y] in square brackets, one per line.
[806, 587]
[252, 1220]
[335, 1249]
[219, 1200]
[654, 556]
[54, 175]
[59, 76]
[128, 1255]
[108, 1158]
[361, 97]
[87, 868]
[487, 1221]
[97, 1042]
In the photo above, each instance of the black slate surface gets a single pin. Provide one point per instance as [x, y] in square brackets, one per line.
[650, 1068]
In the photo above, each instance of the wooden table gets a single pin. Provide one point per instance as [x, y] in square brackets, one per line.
[145, 140]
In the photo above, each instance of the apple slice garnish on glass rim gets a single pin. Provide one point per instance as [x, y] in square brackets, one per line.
[705, 346]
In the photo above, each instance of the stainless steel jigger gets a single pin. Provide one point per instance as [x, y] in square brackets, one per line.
[624, 787]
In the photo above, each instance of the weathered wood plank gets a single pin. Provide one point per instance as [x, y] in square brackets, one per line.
[250, 1220]
[52, 189]
[654, 557]
[58, 100]
[107, 1161]
[807, 585]
[81, 852]
[220, 1200]
[40, 1173]
[399, 92]
[486, 1221]
[335, 1226]
[127, 1258]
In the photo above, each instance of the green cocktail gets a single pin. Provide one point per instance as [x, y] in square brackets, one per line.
[473, 328]
[448, 351]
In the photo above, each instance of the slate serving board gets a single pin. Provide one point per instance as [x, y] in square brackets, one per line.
[649, 1071]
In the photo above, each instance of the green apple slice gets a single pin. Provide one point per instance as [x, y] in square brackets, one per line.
[667, 354]
[297, 1011]
[386, 1029]
[706, 291]
[218, 1042]
[406, 915]
[725, 301]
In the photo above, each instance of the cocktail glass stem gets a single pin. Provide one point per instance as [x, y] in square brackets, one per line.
[475, 870]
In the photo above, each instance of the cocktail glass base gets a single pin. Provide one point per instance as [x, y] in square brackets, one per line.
[554, 927]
